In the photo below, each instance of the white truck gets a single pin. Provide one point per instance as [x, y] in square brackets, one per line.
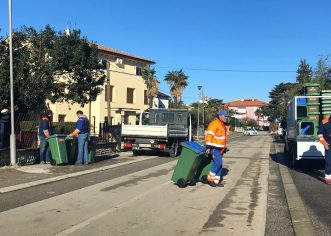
[301, 140]
[164, 131]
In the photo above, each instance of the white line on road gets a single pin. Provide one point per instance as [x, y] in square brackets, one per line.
[114, 208]
[62, 177]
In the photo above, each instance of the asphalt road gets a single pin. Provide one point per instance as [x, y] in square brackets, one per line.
[140, 199]
[316, 195]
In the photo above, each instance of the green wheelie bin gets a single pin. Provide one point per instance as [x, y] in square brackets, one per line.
[71, 146]
[91, 149]
[58, 148]
[204, 169]
[188, 163]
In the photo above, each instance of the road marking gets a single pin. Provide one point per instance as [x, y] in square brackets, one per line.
[114, 208]
[302, 224]
[62, 177]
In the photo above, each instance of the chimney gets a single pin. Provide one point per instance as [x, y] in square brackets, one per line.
[67, 30]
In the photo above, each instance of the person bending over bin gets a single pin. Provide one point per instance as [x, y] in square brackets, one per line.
[216, 141]
[324, 135]
[81, 131]
[45, 132]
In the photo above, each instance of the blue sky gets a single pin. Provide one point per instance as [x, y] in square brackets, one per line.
[229, 47]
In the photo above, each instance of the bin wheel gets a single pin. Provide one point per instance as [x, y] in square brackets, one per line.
[53, 163]
[204, 179]
[181, 183]
[193, 182]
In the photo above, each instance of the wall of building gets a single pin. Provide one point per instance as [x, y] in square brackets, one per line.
[250, 113]
[122, 77]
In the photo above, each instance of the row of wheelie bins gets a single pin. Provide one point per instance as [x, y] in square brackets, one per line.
[193, 165]
[64, 149]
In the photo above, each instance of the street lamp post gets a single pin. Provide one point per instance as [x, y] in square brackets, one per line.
[198, 133]
[12, 120]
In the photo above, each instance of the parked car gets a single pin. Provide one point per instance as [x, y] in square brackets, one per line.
[250, 131]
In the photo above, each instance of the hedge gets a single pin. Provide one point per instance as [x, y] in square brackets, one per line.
[57, 127]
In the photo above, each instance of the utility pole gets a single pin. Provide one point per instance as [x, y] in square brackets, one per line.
[198, 130]
[108, 93]
[203, 112]
[12, 120]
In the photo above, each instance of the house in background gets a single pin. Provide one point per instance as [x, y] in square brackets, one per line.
[127, 91]
[245, 108]
[161, 101]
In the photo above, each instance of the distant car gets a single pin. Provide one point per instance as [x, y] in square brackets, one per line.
[250, 131]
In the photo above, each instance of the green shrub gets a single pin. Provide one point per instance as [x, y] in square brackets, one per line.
[64, 127]
[58, 128]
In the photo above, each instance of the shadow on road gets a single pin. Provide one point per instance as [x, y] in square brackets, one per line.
[105, 157]
[313, 168]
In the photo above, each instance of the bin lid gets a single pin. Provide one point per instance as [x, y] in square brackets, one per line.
[194, 146]
[57, 135]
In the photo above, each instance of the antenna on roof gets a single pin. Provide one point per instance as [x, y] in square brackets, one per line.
[67, 31]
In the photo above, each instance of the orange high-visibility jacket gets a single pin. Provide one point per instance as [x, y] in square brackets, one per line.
[324, 131]
[217, 134]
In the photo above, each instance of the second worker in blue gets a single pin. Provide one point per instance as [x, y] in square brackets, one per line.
[82, 132]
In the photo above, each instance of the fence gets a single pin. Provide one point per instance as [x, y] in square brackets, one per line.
[26, 130]
[110, 133]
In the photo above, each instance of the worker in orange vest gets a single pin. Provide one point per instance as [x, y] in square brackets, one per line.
[216, 143]
[324, 135]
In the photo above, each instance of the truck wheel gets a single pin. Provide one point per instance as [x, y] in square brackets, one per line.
[181, 183]
[285, 150]
[294, 160]
[136, 152]
[174, 149]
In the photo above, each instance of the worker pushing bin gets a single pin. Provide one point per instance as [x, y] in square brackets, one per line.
[58, 148]
[188, 163]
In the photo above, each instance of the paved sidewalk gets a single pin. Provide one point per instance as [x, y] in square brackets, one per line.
[10, 176]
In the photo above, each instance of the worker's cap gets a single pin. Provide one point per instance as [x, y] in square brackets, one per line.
[222, 113]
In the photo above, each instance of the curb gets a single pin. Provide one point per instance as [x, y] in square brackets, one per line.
[66, 176]
[301, 221]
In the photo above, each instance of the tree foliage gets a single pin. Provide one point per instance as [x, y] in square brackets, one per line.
[210, 109]
[49, 65]
[280, 95]
[151, 82]
[304, 72]
[322, 73]
[177, 81]
[76, 59]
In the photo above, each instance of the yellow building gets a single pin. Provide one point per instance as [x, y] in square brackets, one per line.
[127, 92]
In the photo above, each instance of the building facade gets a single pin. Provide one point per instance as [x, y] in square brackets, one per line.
[246, 108]
[127, 92]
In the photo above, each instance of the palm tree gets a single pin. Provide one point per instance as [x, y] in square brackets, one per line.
[151, 82]
[177, 81]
